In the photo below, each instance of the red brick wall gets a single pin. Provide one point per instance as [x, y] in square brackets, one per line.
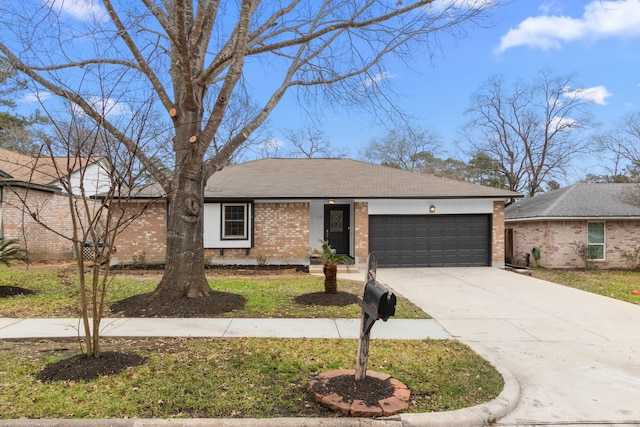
[281, 234]
[361, 232]
[497, 235]
[555, 239]
[39, 240]
[282, 229]
[145, 239]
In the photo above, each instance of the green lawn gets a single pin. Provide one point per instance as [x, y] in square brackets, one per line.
[618, 284]
[236, 377]
[56, 294]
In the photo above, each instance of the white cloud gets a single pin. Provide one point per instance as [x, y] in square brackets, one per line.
[385, 75]
[36, 97]
[106, 107]
[597, 94]
[81, 10]
[601, 19]
[550, 7]
[443, 5]
[271, 144]
[559, 123]
[109, 107]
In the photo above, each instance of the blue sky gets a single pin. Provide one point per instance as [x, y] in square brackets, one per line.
[597, 41]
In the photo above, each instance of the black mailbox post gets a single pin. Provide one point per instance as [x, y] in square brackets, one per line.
[377, 303]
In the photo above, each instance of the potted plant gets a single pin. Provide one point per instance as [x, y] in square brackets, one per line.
[330, 260]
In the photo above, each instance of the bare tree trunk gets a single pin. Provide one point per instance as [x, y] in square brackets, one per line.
[184, 275]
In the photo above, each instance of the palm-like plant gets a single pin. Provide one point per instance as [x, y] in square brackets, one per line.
[330, 260]
[10, 252]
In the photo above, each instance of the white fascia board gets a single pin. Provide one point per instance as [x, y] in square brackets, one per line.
[422, 206]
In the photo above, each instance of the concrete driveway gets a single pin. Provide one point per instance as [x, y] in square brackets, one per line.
[576, 355]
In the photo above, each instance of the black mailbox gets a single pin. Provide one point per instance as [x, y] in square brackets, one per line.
[378, 302]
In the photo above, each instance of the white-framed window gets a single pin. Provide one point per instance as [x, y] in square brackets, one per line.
[595, 240]
[234, 221]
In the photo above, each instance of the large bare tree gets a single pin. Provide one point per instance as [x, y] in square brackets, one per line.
[311, 142]
[530, 130]
[407, 147]
[193, 58]
[621, 146]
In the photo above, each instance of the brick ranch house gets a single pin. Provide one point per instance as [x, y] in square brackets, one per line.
[31, 186]
[604, 217]
[275, 211]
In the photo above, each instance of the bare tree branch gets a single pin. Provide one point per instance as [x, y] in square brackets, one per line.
[530, 130]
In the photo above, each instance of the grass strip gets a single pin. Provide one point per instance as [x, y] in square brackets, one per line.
[56, 295]
[239, 377]
[623, 285]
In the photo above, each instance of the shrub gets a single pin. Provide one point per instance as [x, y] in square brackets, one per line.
[586, 253]
[10, 251]
[631, 258]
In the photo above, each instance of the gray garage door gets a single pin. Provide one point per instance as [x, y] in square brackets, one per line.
[430, 241]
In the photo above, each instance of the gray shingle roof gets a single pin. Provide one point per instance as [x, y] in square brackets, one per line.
[580, 201]
[336, 178]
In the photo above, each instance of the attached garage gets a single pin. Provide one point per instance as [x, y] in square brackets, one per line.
[431, 240]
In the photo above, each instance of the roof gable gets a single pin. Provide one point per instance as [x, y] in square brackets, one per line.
[336, 178]
[41, 170]
[579, 201]
[23, 168]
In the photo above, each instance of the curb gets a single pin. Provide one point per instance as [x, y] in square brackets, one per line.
[480, 415]
[474, 416]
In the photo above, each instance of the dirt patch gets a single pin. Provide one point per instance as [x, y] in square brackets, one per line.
[14, 291]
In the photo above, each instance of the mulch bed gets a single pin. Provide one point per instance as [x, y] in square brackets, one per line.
[144, 305]
[370, 389]
[14, 291]
[84, 368]
[339, 299]
[375, 395]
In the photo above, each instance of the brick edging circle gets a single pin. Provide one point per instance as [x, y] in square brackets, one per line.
[397, 402]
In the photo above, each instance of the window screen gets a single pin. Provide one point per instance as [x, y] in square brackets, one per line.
[596, 240]
[234, 218]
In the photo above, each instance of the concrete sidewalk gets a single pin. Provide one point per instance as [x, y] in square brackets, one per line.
[197, 327]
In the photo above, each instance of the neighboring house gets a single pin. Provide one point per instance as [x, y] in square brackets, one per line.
[277, 210]
[602, 217]
[30, 187]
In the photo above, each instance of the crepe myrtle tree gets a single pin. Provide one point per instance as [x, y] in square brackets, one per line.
[99, 180]
[194, 58]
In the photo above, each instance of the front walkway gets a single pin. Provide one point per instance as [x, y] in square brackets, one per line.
[576, 355]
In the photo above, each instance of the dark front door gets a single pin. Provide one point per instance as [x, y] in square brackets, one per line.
[336, 227]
